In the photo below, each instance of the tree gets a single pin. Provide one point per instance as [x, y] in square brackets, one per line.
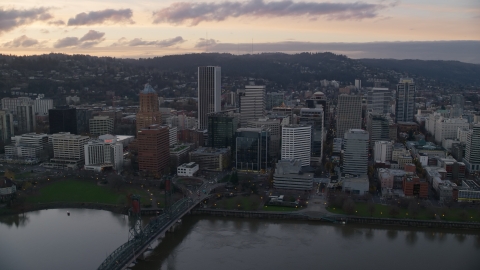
[234, 178]
[394, 211]
[371, 208]
[413, 209]
[115, 181]
[349, 206]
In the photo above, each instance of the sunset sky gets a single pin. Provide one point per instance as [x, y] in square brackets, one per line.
[423, 29]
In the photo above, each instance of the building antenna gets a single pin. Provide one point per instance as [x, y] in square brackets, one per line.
[252, 46]
[206, 42]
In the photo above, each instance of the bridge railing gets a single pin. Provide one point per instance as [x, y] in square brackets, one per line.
[126, 252]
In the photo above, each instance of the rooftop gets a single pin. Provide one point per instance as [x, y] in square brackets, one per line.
[148, 89]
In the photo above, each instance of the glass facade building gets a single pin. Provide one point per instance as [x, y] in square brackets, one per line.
[221, 129]
[251, 149]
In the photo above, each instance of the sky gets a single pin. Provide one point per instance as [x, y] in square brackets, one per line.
[401, 29]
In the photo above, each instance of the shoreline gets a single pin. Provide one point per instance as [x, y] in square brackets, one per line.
[332, 218]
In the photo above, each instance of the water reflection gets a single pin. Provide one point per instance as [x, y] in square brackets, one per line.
[460, 237]
[429, 235]
[369, 234]
[19, 220]
[392, 234]
[411, 237]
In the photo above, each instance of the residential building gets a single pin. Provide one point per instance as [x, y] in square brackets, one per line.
[413, 186]
[148, 113]
[63, 119]
[6, 126]
[221, 129]
[209, 93]
[101, 125]
[355, 157]
[252, 103]
[103, 153]
[42, 106]
[288, 175]
[25, 118]
[472, 150]
[349, 114]
[211, 159]
[153, 148]
[405, 101]
[297, 143]
[187, 169]
[383, 151]
[251, 149]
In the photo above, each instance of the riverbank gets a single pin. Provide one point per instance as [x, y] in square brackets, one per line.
[340, 219]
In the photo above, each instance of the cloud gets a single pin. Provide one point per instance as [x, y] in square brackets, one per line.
[57, 22]
[196, 12]
[140, 42]
[92, 35]
[22, 41]
[88, 40]
[44, 31]
[460, 50]
[12, 18]
[98, 17]
[202, 43]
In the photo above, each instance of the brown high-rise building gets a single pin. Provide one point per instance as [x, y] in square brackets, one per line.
[148, 113]
[153, 149]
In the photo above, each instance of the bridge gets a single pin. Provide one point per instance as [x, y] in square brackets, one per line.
[134, 248]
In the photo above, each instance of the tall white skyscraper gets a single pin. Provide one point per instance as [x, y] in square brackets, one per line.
[252, 103]
[104, 151]
[383, 151]
[297, 143]
[472, 150]
[349, 113]
[42, 105]
[378, 100]
[355, 158]
[209, 93]
[405, 101]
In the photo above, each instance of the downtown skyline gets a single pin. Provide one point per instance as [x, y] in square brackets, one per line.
[137, 29]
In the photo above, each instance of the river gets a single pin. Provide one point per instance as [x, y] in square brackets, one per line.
[50, 239]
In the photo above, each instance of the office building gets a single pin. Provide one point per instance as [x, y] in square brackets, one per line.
[83, 117]
[378, 100]
[355, 158]
[274, 99]
[319, 101]
[314, 117]
[458, 103]
[297, 143]
[288, 175]
[28, 146]
[153, 149]
[252, 103]
[273, 125]
[26, 118]
[405, 101]
[383, 151]
[101, 125]
[211, 159]
[472, 150]
[447, 128]
[378, 127]
[221, 129]
[68, 150]
[6, 126]
[104, 153]
[251, 149]
[10, 104]
[358, 84]
[63, 119]
[349, 114]
[187, 169]
[148, 113]
[42, 105]
[209, 93]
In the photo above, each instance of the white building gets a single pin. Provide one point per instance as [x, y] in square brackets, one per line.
[10, 104]
[101, 125]
[355, 158]
[104, 152]
[187, 169]
[27, 146]
[472, 150]
[447, 128]
[383, 151]
[42, 105]
[209, 93]
[297, 143]
[378, 100]
[462, 134]
[358, 84]
[72, 99]
[68, 150]
[288, 175]
[252, 103]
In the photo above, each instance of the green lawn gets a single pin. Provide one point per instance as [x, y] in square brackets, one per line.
[383, 211]
[76, 191]
[250, 203]
[275, 208]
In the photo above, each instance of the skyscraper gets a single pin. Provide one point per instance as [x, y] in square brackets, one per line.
[378, 100]
[297, 143]
[378, 127]
[26, 118]
[42, 105]
[273, 99]
[458, 102]
[355, 157]
[209, 93]
[472, 150]
[63, 119]
[221, 129]
[148, 113]
[251, 149]
[349, 113]
[153, 149]
[252, 103]
[6, 126]
[314, 117]
[405, 101]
